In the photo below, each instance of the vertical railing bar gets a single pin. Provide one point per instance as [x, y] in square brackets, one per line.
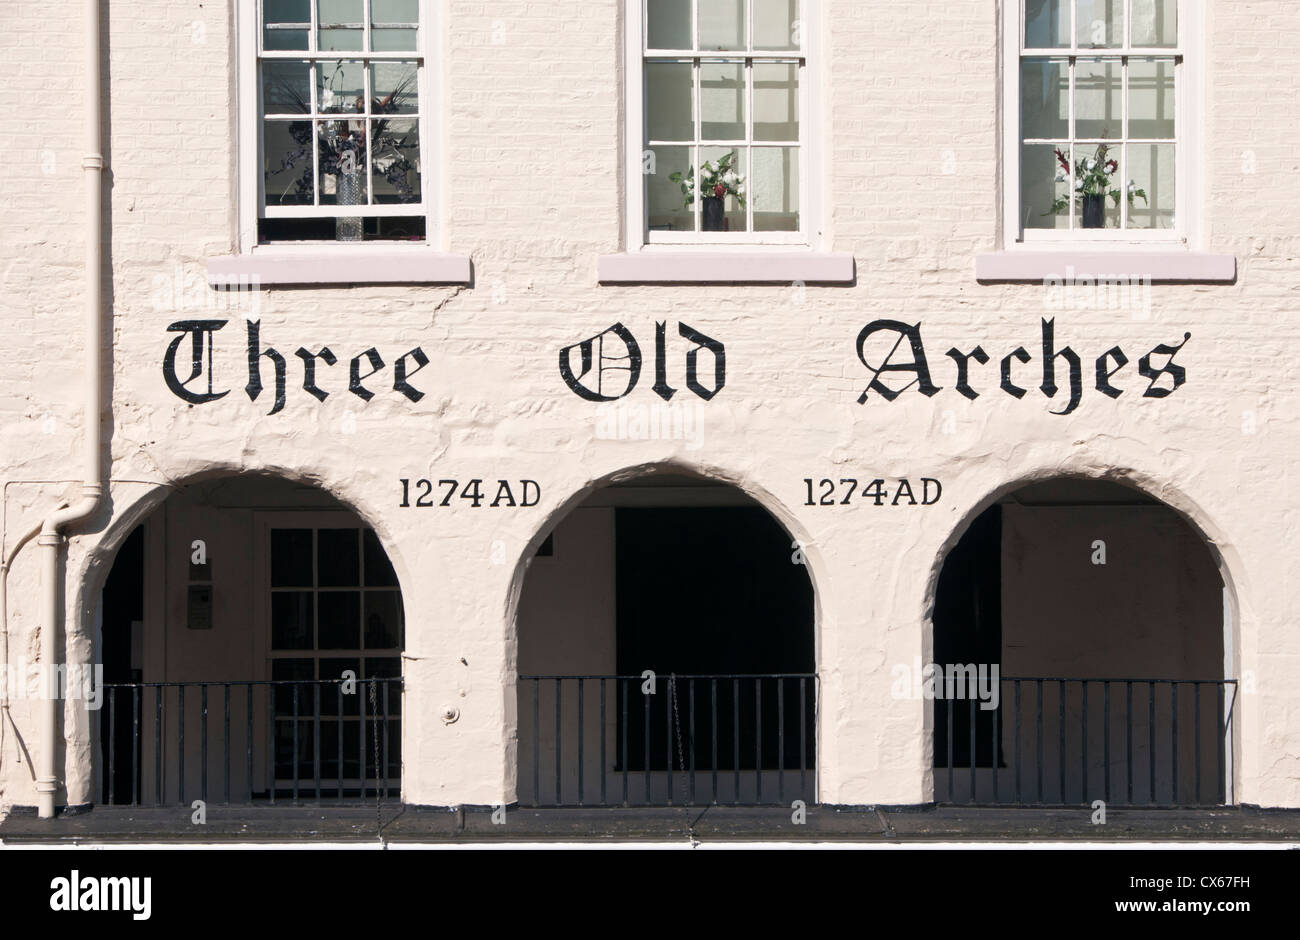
[623, 684]
[295, 738]
[1017, 696]
[995, 758]
[669, 711]
[645, 769]
[1083, 760]
[1173, 744]
[203, 741]
[951, 795]
[362, 776]
[758, 741]
[1219, 691]
[1128, 739]
[803, 736]
[338, 715]
[315, 737]
[158, 743]
[970, 699]
[271, 764]
[384, 751]
[180, 741]
[1196, 733]
[582, 733]
[248, 744]
[1151, 736]
[226, 734]
[780, 739]
[1060, 722]
[559, 763]
[1105, 716]
[735, 737]
[713, 738]
[604, 801]
[537, 743]
[112, 749]
[1039, 749]
[690, 736]
[136, 795]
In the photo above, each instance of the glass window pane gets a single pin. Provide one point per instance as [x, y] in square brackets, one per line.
[1155, 22]
[776, 24]
[670, 110]
[342, 163]
[1047, 24]
[339, 617]
[394, 88]
[384, 39]
[285, 24]
[1044, 99]
[1151, 173]
[286, 87]
[292, 670]
[383, 617]
[722, 101]
[775, 189]
[291, 552]
[1097, 185]
[776, 101]
[1150, 98]
[1100, 24]
[340, 25]
[286, 151]
[395, 11]
[340, 86]
[291, 620]
[724, 167]
[338, 557]
[670, 201]
[395, 160]
[332, 668]
[722, 24]
[1044, 187]
[1098, 111]
[378, 569]
[669, 24]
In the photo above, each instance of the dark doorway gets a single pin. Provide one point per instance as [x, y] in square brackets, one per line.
[123, 607]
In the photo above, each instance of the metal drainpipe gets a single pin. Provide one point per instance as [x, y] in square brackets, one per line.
[52, 532]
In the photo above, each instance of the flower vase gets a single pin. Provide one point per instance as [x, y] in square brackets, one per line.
[714, 219]
[1094, 211]
[349, 228]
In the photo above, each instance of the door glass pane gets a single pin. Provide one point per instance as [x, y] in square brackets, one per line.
[776, 101]
[775, 189]
[286, 87]
[1151, 171]
[339, 615]
[378, 569]
[286, 151]
[1044, 99]
[776, 24]
[670, 110]
[338, 561]
[1150, 98]
[1098, 111]
[291, 558]
[340, 25]
[737, 179]
[1044, 187]
[1100, 24]
[292, 620]
[669, 24]
[670, 201]
[285, 24]
[722, 24]
[1047, 24]
[395, 160]
[383, 618]
[722, 101]
[1155, 22]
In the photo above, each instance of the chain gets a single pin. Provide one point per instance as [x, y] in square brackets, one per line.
[374, 717]
[677, 723]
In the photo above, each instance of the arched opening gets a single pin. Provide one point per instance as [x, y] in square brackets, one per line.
[1080, 653]
[666, 652]
[251, 630]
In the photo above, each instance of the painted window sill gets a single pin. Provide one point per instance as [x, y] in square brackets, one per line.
[1155, 265]
[363, 264]
[737, 266]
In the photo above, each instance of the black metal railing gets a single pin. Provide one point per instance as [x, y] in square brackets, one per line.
[674, 740]
[165, 743]
[1066, 742]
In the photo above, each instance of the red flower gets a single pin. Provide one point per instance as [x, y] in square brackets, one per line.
[720, 190]
[1060, 158]
[1111, 166]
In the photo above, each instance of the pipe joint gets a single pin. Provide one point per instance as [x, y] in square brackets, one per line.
[92, 161]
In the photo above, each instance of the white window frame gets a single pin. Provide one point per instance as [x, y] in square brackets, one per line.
[637, 232]
[251, 178]
[1189, 120]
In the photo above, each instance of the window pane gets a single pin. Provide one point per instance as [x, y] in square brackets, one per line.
[1100, 23]
[394, 11]
[712, 175]
[775, 24]
[668, 201]
[383, 39]
[395, 160]
[394, 86]
[1151, 170]
[722, 24]
[286, 152]
[1044, 187]
[1097, 177]
[340, 25]
[342, 163]
[333, 668]
[286, 87]
[378, 569]
[1098, 112]
[1150, 98]
[669, 24]
[285, 24]
[776, 101]
[775, 189]
[292, 670]
[1044, 99]
[340, 86]
[385, 36]
[670, 112]
[291, 620]
[340, 620]
[291, 555]
[338, 557]
[1047, 24]
[1155, 22]
[722, 101]
[383, 617]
